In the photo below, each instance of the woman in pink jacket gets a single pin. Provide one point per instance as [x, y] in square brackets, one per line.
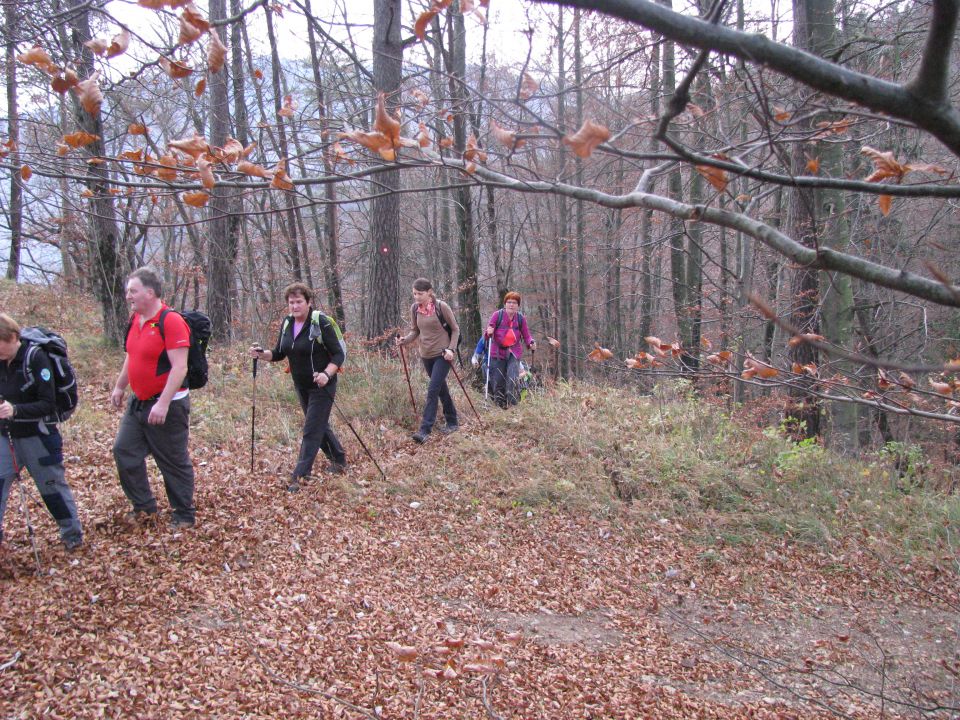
[508, 333]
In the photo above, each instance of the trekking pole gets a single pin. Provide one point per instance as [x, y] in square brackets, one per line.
[486, 386]
[355, 433]
[23, 498]
[406, 372]
[465, 393]
[253, 413]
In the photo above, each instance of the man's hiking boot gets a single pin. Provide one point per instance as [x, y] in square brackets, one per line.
[419, 437]
[449, 429]
[337, 468]
[294, 485]
[177, 523]
[71, 544]
[139, 516]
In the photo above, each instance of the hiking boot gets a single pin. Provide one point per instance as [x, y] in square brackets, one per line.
[420, 437]
[178, 523]
[139, 516]
[448, 429]
[294, 485]
[335, 468]
[71, 544]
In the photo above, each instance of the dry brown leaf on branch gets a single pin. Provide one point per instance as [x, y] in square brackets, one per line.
[98, 46]
[61, 83]
[528, 87]
[62, 149]
[375, 141]
[885, 203]
[200, 87]
[25, 173]
[827, 128]
[231, 151]
[885, 165]
[38, 58]
[805, 338]
[193, 16]
[423, 137]
[473, 153]
[446, 142]
[132, 155]
[205, 168]
[813, 165]
[89, 95]
[281, 181]
[587, 138]
[906, 381]
[942, 388]
[780, 114]
[404, 653]
[553, 342]
[79, 139]
[174, 68]
[168, 167]
[386, 124]
[289, 106]
[883, 380]
[421, 97]
[599, 354]
[136, 129]
[196, 199]
[753, 368]
[717, 177]
[425, 18]
[721, 358]
[189, 33]
[119, 43]
[248, 168]
[194, 146]
[216, 53]
[505, 137]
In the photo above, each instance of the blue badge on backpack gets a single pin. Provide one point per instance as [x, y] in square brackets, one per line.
[45, 375]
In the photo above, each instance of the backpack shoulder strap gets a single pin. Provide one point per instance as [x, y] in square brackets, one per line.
[499, 320]
[28, 357]
[442, 317]
[163, 315]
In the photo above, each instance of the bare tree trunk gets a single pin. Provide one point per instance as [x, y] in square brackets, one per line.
[581, 334]
[106, 254]
[290, 223]
[383, 311]
[562, 242]
[13, 132]
[467, 281]
[221, 247]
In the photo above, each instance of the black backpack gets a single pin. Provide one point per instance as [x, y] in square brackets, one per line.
[200, 331]
[64, 377]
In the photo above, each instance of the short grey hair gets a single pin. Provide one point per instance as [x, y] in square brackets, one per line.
[149, 278]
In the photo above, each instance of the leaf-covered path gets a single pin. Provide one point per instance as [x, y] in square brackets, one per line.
[435, 595]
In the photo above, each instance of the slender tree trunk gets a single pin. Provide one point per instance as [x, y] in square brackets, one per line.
[383, 286]
[581, 334]
[289, 223]
[221, 247]
[562, 242]
[13, 132]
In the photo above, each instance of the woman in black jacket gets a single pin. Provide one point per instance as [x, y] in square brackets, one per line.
[30, 436]
[310, 343]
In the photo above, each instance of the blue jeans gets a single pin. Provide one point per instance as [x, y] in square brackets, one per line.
[437, 369]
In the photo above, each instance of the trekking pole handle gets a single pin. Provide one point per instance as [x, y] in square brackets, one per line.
[256, 361]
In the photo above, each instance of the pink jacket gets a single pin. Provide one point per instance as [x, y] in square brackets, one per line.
[520, 330]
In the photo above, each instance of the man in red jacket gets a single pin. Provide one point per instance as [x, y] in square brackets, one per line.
[157, 418]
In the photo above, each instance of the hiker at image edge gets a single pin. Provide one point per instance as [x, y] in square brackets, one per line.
[509, 333]
[433, 322]
[312, 343]
[156, 419]
[31, 440]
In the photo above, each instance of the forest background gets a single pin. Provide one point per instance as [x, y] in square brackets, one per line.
[759, 197]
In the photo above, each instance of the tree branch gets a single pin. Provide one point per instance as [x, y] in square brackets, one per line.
[934, 73]
[932, 114]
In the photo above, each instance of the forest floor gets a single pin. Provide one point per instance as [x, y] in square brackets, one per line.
[589, 554]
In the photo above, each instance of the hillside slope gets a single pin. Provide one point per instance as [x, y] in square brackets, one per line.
[589, 554]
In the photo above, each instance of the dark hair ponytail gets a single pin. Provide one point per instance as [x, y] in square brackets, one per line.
[422, 285]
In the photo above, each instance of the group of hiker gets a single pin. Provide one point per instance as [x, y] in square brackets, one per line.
[156, 417]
